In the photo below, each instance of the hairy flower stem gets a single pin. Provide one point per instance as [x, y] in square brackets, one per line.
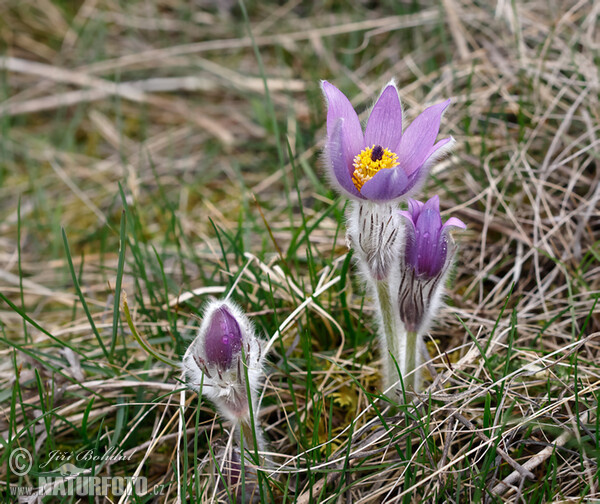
[411, 379]
[391, 338]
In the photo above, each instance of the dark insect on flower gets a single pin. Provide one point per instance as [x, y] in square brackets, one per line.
[377, 153]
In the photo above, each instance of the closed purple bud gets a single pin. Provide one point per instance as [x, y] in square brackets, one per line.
[223, 340]
[426, 248]
[428, 253]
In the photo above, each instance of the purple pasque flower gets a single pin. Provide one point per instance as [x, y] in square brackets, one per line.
[383, 163]
[426, 248]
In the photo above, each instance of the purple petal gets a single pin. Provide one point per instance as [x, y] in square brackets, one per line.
[429, 223]
[409, 217]
[429, 260]
[444, 241]
[384, 126]
[415, 207]
[340, 159]
[433, 154]
[442, 254]
[223, 339]
[433, 203]
[453, 222]
[386, 185]
[339, 107]
[437, 146]
[417, 141]
[418, 177]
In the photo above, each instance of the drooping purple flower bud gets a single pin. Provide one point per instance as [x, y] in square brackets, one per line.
[223, 339]
[426, 249]
[382, 164]
[225, 364]
[224, 354]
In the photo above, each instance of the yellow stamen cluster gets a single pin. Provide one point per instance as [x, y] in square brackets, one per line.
[370, 161]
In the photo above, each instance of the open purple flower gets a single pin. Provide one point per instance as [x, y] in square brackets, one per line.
[426, 237]
[383, 163]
